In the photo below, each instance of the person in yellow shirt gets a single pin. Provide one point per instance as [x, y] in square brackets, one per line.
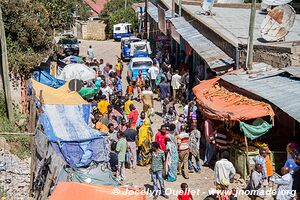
[127, 104]
[102, 106]
[119, 67]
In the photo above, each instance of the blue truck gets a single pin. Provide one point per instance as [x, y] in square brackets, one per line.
[125, 47]
[122, 30]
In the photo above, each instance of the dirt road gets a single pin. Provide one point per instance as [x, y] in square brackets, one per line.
[199, 182]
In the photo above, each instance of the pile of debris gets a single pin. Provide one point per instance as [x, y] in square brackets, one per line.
[14, 176]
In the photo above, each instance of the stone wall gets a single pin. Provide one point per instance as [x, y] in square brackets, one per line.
[90, 30]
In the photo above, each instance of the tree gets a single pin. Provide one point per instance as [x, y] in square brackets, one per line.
[114, 13]
[28, 34]
[29, 28]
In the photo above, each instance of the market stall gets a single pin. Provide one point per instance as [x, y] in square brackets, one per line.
[245, 121]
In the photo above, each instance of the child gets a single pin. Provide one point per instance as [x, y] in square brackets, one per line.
[158, 159]
[185, 194]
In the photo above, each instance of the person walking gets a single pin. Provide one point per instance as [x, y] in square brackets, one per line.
[209, 138]
[90, 53]
[158, 159]
[285, 185]
[144, 142]
[194, 146]
[161, 136]
[176, 84]
[164, 89]
[224, 172]
[131, 135]
[147, 99]
[172, 158]
[153, 71]
[183, 151]
[133, 116]
[121, 150]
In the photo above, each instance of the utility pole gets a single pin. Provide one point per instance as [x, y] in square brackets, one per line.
[250, 36]
[173, 8]
[146, 18]
[179, 7]
[5, 72]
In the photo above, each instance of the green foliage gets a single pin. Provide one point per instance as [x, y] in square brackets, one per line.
[114, 13]
[29, 27]
[20, 145]
[61, 12]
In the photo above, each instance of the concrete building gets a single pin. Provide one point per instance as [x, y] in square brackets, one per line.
[228, 29]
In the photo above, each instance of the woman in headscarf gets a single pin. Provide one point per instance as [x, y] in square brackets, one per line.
[172, 158]
[144, 141]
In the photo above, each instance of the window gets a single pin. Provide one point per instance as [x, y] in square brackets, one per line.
[142, 64]
[117, 28]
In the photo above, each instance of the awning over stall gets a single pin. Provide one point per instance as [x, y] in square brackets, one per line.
[218, 103]
[153, 12]
[212, 54]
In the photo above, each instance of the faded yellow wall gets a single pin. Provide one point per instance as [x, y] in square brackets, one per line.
[90, 30]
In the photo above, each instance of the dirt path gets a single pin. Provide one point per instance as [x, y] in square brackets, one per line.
[199, 182]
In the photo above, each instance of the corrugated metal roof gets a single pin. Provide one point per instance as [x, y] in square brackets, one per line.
[274, 86]
[212, 54]
[152, 10]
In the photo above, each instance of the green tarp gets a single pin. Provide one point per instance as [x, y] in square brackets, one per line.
[257, 129]
[87, 92]
[102, 178]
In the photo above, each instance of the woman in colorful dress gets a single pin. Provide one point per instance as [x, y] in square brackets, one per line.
[172, 158]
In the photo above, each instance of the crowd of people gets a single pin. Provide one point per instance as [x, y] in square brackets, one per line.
[174, 149]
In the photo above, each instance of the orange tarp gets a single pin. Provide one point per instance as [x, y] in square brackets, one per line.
[82, 191]
[218, 103]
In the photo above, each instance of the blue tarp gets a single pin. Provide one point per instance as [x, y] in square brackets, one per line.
[47, 79]
[81, 154]
[68, 123]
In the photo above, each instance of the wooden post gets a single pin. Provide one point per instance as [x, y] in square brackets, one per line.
[5, 71]
[247, 157]
[47, 186]
[32, 167]
[146, 19]
[251, 36]
[179, 7]
[173, 8]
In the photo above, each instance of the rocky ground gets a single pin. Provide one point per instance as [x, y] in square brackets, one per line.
[14, 176]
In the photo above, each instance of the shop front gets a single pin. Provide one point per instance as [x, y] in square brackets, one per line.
[240, 123]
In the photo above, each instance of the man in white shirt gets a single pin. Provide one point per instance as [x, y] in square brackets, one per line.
[153, 71]
[285, 185]
[224, 172]
[175, 83]
[101, 66]
[106, 90]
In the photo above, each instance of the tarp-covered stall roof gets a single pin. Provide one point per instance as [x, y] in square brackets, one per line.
[62, 95]
[274, 86]
[218, 103]
[212, 54]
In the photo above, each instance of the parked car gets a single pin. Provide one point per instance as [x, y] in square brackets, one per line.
[122, 30]
[136, 64]
[125, 47]
[69, 45]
